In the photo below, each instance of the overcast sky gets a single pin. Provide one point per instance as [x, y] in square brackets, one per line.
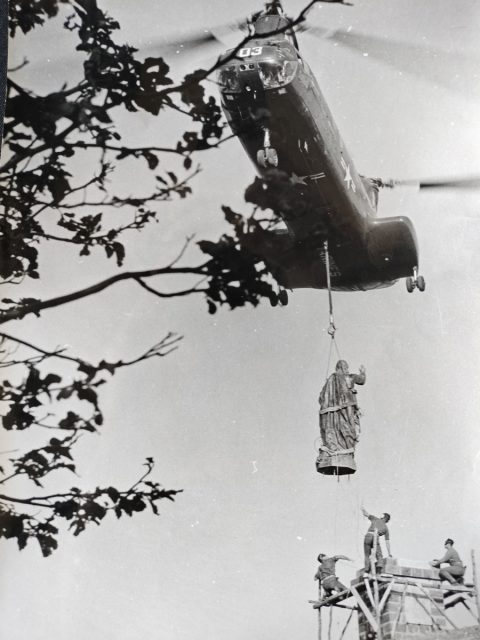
[231, 417]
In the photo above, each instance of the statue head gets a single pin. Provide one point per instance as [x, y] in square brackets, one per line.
[321, 556]
[386, 517]
[448, 542]
[341, 367]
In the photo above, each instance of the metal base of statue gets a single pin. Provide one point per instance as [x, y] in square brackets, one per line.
[337, 464]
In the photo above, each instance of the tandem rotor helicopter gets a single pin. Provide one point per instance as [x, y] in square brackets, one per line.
[274, 106]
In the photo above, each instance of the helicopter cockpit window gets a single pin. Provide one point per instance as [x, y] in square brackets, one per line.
[270, 24]
[275, 74]
[228, 79]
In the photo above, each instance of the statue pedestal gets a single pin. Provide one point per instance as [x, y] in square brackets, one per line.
[335, 464]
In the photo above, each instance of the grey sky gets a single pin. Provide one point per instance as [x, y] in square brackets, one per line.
[231, 417]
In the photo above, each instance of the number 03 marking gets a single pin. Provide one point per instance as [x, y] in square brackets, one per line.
[246, 52]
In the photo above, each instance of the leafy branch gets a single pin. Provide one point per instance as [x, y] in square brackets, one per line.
[77, 508]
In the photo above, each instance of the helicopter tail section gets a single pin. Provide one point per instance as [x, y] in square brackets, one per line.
[392, 246]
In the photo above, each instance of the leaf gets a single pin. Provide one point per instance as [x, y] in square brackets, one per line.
[151, 159]
[58, 187]
[65, 393]
[212, 308]
[113, 494]
[51, 378]
[231, 216]
[88, 394]
[109, 366]
[66, 509]
[70, 421]
[47, 544]
[119, 250]
[17, 418]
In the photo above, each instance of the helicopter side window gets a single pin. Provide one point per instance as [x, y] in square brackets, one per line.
[228, 79]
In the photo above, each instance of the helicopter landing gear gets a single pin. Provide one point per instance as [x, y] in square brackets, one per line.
[283, 297]
[279, 298]
[273, 299]
[267, 157]
[415, 282]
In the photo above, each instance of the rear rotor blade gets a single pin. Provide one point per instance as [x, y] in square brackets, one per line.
[468, 182]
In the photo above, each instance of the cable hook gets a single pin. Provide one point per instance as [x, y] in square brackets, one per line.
[331, 327]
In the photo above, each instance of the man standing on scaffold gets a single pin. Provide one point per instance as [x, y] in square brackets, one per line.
[378, 526]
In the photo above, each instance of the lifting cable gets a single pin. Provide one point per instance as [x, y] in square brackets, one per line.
[331, 326]
[331, 332]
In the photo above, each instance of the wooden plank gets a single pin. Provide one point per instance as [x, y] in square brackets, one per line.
[346, 625]
[369, 592]
[399, 611]
[420, 604]
[319, 611]
[442, 612]
[458, 588]
[366, 612]
[474, 571]
[383, 601]
[332, 600]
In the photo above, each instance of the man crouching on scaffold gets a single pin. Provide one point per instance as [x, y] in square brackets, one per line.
[326, 574]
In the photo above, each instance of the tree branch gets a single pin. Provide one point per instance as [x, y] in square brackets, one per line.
[162, 348]
[52, 144]
[36, 306]
[176, 294]
[49, 354]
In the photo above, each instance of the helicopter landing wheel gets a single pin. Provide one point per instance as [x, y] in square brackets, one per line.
[283, 297]
[274, 299]
[410, 284]
[267, 157]
[415, 282]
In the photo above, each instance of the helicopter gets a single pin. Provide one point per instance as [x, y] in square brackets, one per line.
[274, 105]
[331, 236]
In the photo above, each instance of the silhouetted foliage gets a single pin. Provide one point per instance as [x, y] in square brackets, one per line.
[46, 202]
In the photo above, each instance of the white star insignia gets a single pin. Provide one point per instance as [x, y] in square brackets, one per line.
[348, 176]
[294, 179]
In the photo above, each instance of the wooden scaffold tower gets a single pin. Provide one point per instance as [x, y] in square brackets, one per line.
[404, 602]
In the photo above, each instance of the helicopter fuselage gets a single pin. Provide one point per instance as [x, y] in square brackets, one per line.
[274, 105]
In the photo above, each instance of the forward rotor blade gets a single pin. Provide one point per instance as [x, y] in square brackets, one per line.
[221, 35]
[458, 72]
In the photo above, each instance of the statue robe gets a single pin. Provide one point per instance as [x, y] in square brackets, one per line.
[339, 412]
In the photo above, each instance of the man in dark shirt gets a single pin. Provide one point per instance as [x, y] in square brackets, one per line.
[326, 574]
[455, 570]
[378, 525]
